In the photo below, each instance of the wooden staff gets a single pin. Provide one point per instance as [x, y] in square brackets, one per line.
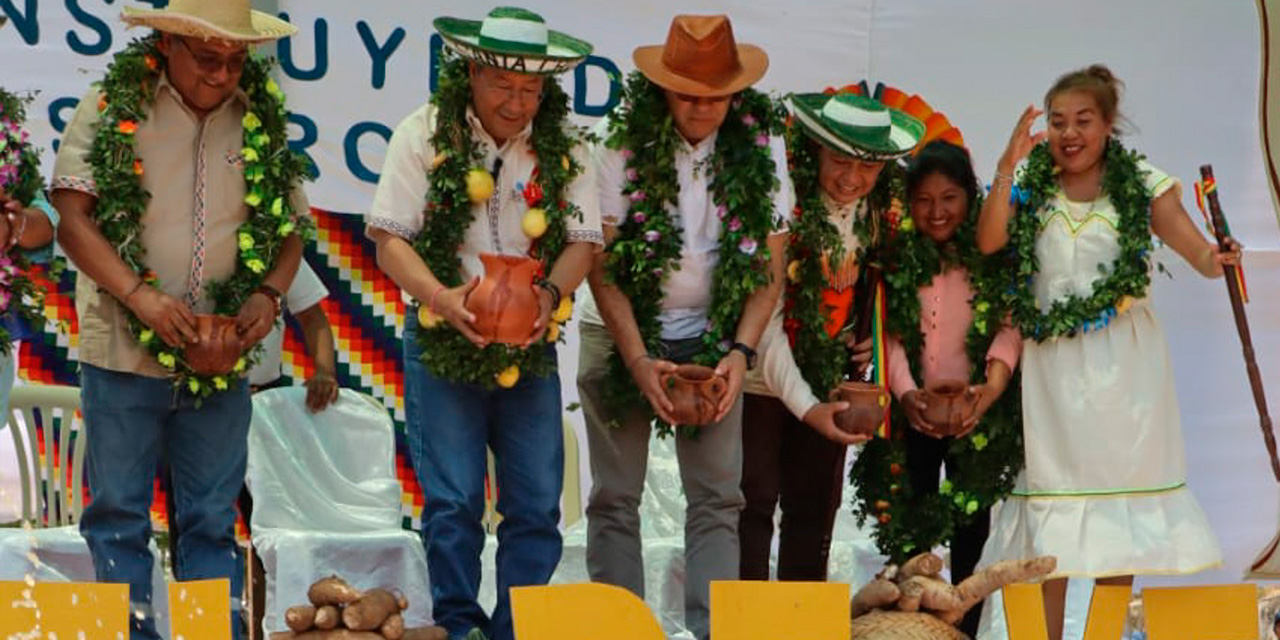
[1242, 321]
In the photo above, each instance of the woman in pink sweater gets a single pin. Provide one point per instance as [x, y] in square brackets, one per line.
[945, 326]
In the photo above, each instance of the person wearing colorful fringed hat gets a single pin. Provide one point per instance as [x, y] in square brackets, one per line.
[695, 195]
[181, 208]
[844, 164]
[486, 216]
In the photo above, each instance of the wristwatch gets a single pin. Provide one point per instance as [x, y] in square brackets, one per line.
[746, 351]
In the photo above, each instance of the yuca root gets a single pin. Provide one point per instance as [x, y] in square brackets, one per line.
[978, 586]
[327, 617]
[877, 593]
[425, 633]
[924, 564]
[935, 594]
[300, 618]
[911, 591]
[332, 591]
[336, 634]
[370, 611]
[393, 627]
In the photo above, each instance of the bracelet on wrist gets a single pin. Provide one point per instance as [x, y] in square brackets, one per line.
[554, 290]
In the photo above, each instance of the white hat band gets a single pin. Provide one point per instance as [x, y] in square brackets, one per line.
[514, 30]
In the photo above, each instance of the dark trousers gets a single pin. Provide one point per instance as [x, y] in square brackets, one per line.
[925, 457]
[785, 461]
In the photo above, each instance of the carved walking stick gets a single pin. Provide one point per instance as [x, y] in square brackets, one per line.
[1242, 321]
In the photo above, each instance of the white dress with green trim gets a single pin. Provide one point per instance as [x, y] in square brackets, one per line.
[1104, 488]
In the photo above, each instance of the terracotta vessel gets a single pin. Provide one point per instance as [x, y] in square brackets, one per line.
[505, 302]
[695, 391]
[867, 403]
[948, 404]
[219, 347]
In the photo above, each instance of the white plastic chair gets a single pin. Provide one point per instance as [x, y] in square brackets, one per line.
[326, 500]
[50, 439]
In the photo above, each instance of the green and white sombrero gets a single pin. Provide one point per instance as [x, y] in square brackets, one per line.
[514, 39]
[857, 125]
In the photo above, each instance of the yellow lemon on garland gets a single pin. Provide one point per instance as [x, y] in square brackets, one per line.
[509, 377]
[553, 332]
[534, 223]
[479, 185]
[564, 311]
[793, 271]
[428, 320]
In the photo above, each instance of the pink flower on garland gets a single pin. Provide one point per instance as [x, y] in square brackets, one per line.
[749, 120]
[638, 217]
[748, 246]
[626, 153]
[632, 174]
[637, 196]
[721, 212]
[762, 140]
[735, 224]
[652, 236]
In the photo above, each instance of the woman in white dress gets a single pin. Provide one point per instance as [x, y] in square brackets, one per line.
[1104, 485]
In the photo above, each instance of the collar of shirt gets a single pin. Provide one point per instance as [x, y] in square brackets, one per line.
[837, 212]
[700, 150]
[163, 85]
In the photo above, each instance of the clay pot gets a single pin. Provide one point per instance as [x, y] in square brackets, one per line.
[695, 391]
[867, 403]
[219, 345]
[948, 404]
[505, 302]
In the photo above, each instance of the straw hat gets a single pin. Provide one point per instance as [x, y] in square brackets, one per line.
[514, 39]
[857, 125]
[230, 20]
[701, 58]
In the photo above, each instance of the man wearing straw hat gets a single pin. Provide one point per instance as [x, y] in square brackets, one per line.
[695, 199]
[489, 166]
[178, 197]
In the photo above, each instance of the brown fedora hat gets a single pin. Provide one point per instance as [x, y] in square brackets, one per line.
[701, 58]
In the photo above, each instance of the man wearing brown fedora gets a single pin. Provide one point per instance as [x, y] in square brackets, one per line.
[695, 199]
[179, 201]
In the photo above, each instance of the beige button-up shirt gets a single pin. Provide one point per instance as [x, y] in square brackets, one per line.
[399, 204]
[194, 172]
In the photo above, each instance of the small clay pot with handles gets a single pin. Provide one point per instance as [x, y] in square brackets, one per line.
[696, 392]
[219, 346]
[505, 302]
[948, 404]
[867, 403]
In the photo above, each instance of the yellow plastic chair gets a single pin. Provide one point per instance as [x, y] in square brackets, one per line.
[1220, 612]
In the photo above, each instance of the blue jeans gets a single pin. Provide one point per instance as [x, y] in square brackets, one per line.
[133, 421]
[449, 426]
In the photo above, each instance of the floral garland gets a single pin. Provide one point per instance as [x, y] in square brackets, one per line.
[450, 212]
[20, 179]
[271, 173]
[648, 245]
[822, 358]
[982, 466]
[1126, 279]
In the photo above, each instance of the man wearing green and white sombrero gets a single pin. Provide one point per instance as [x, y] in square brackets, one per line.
[473, 171]
[185, 139]
[793, 452]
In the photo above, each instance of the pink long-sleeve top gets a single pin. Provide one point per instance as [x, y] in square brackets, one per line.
[945, 317]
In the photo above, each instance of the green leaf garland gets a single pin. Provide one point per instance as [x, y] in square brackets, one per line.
[271, 173]
[648, 245]
[1126, 279]
[446, 352]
